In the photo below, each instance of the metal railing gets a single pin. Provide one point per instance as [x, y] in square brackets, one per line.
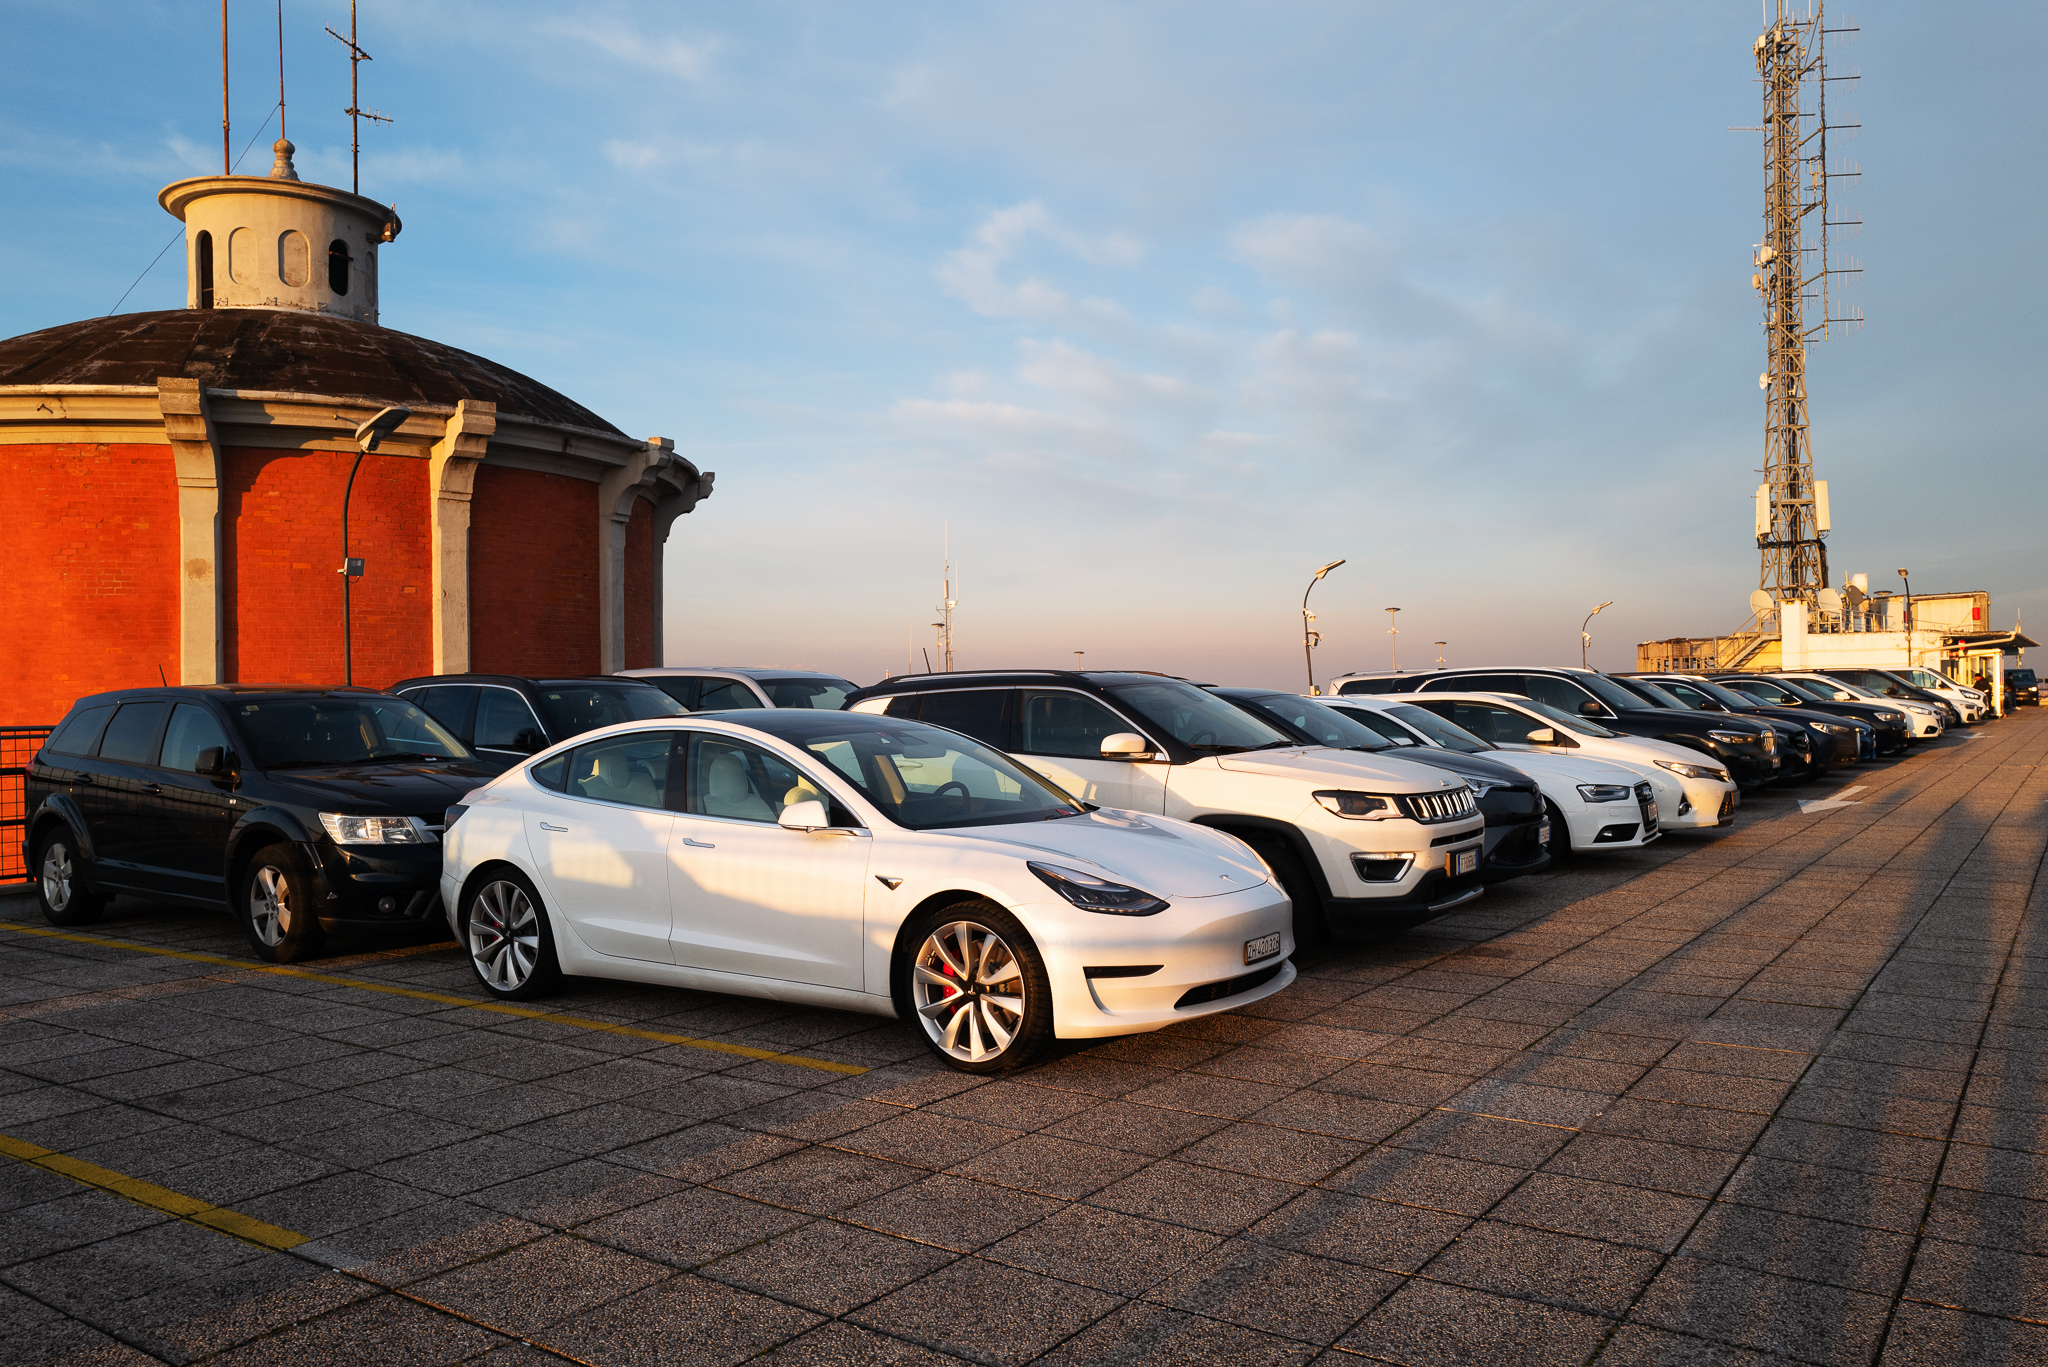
[18, 745]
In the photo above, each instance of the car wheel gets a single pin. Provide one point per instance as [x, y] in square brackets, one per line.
[976, 987]
[1311, 928]
[60, 882]
[510, 944]
[1559, 847]
[277, 907]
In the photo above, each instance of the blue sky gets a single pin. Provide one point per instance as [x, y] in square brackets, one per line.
[1156, 307]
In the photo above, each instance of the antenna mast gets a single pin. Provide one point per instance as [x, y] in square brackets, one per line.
[356, 113]
[227, 163]
[1792, 268]
[946, 605]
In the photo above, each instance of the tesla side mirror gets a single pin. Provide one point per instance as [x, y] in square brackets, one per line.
[1543, 735]
[212, 760]
[808, 815]
[1126, 745]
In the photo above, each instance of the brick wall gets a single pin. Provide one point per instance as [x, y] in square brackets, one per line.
[88, 574]
[533, 573]
[640, 587]
[281, 515]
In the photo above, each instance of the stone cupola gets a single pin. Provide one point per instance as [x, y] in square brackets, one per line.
[277, 242]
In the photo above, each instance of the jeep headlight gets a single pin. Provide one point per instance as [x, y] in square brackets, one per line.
[345, 829]
[1359, 806]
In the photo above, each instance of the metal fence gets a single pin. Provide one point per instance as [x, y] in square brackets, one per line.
[18, 745]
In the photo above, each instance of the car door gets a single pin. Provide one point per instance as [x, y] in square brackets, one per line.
[599, 830]
[195, 811]
[753, 897]
[1060, 733]
[122, 820]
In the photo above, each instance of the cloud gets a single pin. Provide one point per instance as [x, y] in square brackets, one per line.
[972, 273]
[684, 59]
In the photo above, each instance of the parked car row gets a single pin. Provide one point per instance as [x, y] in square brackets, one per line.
[1003, 857]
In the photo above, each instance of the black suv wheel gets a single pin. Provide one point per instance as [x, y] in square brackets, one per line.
[60, 882]
[276, 906]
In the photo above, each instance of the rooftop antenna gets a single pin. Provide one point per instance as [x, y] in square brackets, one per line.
[280, 68]
[227, 161]
[946, 605]
[356, 113]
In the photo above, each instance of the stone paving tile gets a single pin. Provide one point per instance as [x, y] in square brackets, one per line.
[1277, 1292]
[1579, 1274]
[1433, 1325]
[1328, 1224]
[690, 1228]
[827, 1266]
[987, 1311]
[1108, 1250]
[1803, 1320]
[1051, 1166]
[539, 1283]
[683, 1318]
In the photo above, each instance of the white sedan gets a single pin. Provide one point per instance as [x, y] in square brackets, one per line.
[1692, 791]
[862, 863]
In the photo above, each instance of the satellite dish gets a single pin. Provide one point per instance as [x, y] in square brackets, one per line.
[1829, 600]
[1760, 602]
[1856, 596]
[1763, 381]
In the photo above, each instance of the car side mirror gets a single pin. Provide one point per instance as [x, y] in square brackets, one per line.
[808, 815]
[1126, 745]
[529, 742]
[1589, 708]
[1710, 705]
[1543, 735]
[213, 760]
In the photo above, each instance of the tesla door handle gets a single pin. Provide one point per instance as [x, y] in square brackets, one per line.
[558, 829]
[699, 844]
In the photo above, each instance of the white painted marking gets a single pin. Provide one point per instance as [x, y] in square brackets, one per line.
[1832, 804]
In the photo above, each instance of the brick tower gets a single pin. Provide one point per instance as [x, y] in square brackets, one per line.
[174, 480]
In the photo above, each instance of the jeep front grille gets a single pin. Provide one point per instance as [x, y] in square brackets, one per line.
[1446, 806]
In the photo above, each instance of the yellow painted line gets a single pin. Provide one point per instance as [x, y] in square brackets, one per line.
[497, 1008]
[244, 1227]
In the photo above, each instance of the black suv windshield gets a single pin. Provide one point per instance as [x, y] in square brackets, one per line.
[827, 695]
[303, 732]
[1201, 721]
[928, 778]
[1447, 734]
[575, 708]
[1721, 694]
[1611, 693]
[1328, 726]
[1659, 695]
[2022, 678]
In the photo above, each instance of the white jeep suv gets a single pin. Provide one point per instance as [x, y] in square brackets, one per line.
[1363, 844]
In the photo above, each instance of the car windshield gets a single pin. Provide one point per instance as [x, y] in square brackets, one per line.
[1201, 721]
[305, 732]
[928, 778]
[1325, 725]
[1727, 697]
[573, 709]
[1447, 734]
[1659, 695]
[2023, 678]
[1842, 690]
[1565, 719]
[1609, 692]
[1382, 725]
[827, 695]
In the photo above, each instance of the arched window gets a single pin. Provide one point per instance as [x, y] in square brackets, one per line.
[202, 251]
[337, 266]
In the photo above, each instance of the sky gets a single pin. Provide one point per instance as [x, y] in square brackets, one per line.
[1144, 310]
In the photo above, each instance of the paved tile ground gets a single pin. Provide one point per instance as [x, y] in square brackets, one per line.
[1774, 1096]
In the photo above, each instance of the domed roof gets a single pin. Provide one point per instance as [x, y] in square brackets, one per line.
[279, 349]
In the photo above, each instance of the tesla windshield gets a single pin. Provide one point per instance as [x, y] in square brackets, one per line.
[1201, 721]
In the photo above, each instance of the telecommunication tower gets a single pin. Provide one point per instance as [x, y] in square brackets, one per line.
[1793, 270]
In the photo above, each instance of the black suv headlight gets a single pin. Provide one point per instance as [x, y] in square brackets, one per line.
[344, 829]
[1090, 893]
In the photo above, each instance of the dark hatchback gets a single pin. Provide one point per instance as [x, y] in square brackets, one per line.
[298, 809]
[505, 717]
[1517, 822]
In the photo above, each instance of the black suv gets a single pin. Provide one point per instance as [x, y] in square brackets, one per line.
[505, 718]
[1790, 696]
[1805, 752]
[1517, 822]
[1748, 749]
[299, 809]
[1834, 740]
[2022, 688]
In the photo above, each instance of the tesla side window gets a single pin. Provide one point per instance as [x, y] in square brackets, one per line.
[1061, 724]
[631, 770]
[742, 782]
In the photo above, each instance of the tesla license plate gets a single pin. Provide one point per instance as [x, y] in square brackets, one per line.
[1463, 862]
[1265, 947]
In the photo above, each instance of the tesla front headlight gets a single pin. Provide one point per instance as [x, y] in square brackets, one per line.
[344, 829]
[1359, 806]
[1694, 770]
[1090, 893]
[1606, 792]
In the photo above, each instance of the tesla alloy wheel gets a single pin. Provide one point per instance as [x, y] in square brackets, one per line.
[978, 988]
[509, 943]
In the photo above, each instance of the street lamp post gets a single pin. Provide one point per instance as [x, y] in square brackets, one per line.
[1393, 641]
[1904, 575]
[1586, 637]
[1440, 653]
[1310, 639]
[368, 437]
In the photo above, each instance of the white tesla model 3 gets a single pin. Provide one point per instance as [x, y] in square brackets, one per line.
[858, 862]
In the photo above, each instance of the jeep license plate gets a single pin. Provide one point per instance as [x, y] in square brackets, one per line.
[1463, 862]
[1265, 947]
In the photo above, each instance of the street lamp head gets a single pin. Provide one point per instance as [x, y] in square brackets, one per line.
[1327, 568]
[1608, 604]
[370, 434]
[1904, 575]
